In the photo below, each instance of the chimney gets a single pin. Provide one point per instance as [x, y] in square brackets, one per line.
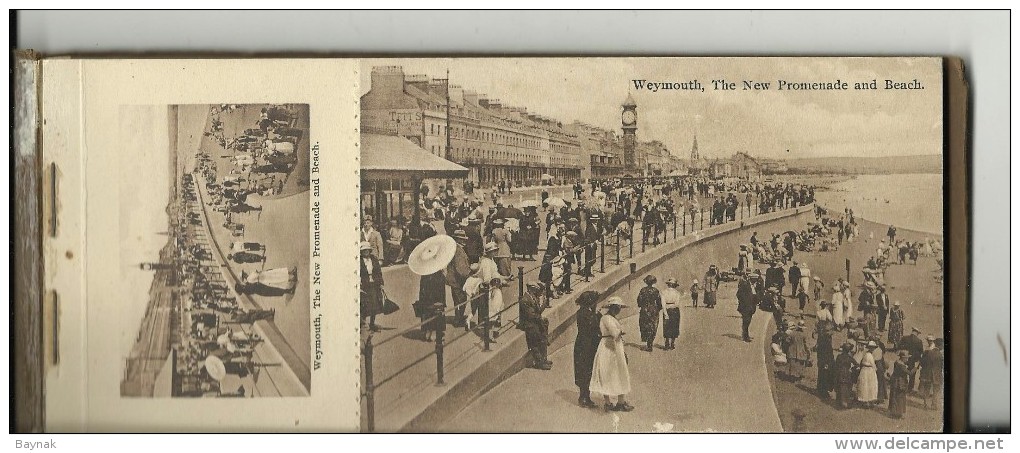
[483, 100]
[387, 78]
[438, 86]
[456, 95]
[419, 81]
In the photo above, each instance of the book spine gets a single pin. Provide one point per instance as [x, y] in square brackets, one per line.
[27, 234]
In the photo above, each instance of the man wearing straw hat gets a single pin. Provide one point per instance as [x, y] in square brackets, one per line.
[502, 239]
[535, 327]
[931, 364]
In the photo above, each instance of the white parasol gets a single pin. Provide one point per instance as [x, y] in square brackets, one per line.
[432, 255]
[529, 204]
[555, 201]
[215, 367]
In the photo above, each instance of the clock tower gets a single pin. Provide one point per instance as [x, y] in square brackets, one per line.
[629, 118]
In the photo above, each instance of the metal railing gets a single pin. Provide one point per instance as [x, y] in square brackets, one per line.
[621, 242]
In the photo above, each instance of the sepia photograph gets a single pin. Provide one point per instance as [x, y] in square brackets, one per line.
[215, 253]
[601, 245]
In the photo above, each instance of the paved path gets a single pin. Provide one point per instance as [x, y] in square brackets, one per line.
[713, 381]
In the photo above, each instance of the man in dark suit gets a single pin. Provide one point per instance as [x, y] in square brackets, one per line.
[457, 273]
[774, 276]
[794, 274]
[915, 347]
[475, 245]
[535, 327]
[882, 306]
[371, 286]
[747, 305]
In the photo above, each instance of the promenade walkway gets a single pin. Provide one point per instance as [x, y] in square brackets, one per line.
[404, 371]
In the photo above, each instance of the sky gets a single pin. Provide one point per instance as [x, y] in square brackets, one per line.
[766, 123]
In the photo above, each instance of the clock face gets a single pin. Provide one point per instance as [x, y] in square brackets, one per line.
[629, 117]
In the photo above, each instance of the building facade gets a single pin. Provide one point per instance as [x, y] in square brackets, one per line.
[494, 141]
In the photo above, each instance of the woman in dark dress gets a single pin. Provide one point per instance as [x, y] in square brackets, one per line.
[898, 386]
[650, 302]
[586, 345]
[826, 360]
[431, 302]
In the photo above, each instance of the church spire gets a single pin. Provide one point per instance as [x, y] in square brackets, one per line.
[694, 149]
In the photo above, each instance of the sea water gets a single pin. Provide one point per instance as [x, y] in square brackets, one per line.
[909, 201]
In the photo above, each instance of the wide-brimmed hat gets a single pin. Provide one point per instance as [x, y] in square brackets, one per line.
[491, 247]
[846, 347]
[896, 304]
[671, 282]
[497, 221]
[431, 255]
[816, 278]
[535, 286]
[930, 338]
[650, 280]
[365, 245]
[695, 280]
[614, 300]
[460, 234]
[903, 354]
[915, 329]
[872, 344]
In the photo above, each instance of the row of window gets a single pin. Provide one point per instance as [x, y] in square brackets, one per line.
[492, 137]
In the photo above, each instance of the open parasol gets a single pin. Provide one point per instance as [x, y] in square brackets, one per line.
[555, 201]
[215, 367]
[529, 204]
[432, 255]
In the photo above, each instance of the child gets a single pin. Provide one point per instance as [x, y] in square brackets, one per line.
[802, 298]
[695, 289]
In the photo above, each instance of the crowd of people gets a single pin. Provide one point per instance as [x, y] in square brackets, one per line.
[216, 348]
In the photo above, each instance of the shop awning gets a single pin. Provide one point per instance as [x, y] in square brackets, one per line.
[390, 156]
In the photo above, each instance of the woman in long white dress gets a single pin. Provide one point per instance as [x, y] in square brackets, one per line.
[610, 375]
[848, 301]
[837, 306]
[867, 380]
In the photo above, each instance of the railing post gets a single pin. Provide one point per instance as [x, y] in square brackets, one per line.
[632, 234]
[674, 225]
[369, 386]
[644, 237]
[617, 247]
[440, 313]
[486, 329]
[683, 216]
[602, 259]
[702, 218]
[520, 281]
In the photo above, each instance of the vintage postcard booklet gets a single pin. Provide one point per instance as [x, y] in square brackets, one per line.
[493, 244]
